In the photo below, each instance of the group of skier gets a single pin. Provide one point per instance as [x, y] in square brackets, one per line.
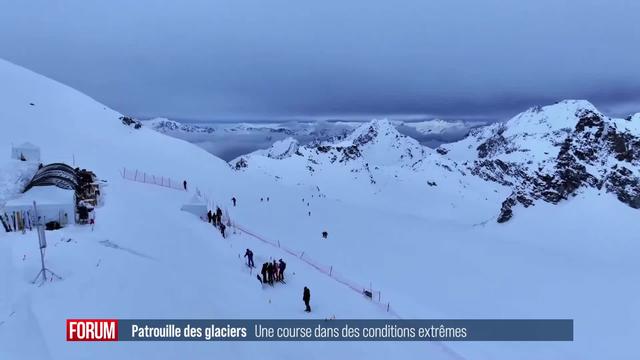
[215, 218]
[273, 271]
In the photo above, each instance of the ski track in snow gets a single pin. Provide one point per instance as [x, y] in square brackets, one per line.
[108, 243]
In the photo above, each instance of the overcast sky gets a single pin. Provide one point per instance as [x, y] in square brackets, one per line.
[265, 59]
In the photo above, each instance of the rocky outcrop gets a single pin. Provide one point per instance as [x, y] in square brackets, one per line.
[167, 126]
[129, 121]
[594, 154]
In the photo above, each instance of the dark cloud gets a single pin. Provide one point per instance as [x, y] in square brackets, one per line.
[219, 59]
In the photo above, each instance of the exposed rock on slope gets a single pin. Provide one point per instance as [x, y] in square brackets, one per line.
[552, 153]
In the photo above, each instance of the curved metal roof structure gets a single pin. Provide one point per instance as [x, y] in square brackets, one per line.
[57, 174]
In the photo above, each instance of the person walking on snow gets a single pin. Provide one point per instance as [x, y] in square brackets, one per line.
[184, 184]
[222, 229]
[233, 199]
[306, 297]
[209, 216]
[249, 256]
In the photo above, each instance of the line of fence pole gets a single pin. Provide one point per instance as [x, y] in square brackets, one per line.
[177, 185]
[374, 295]
[145, 178]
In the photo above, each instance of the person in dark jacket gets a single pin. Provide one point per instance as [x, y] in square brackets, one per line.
[264, 272]
[184, 183]
[222, 229]
[219, 215]
[276, 270]
[270, 271]
[233, 199]
[306, 297]
[209, 216]
[249, 255]
[282, 266]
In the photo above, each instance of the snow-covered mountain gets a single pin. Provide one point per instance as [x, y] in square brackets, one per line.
[554, 152]
[546, 153]
[415, 223]
[165, 125]
[439, 126]
[377, 142]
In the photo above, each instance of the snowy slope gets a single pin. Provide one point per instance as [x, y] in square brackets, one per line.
[145, 258]
[376, 165]
[413, 223]
[437, 212]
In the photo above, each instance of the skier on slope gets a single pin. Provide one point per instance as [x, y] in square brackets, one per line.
[306, 297]
[233, 199]
[184, 184]
[249, 255]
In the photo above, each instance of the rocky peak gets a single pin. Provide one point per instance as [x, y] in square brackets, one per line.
[283, 148]
[165, 125]
[551, 153]
[371, 131]
[595, 154]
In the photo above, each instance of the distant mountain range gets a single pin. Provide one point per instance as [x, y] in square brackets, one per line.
[548, 153]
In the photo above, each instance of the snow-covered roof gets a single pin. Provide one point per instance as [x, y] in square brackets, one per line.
[43, 195]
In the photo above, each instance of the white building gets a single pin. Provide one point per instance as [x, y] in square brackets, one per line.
[53, 204]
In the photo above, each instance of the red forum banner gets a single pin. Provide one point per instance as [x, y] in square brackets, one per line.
[92, 330]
